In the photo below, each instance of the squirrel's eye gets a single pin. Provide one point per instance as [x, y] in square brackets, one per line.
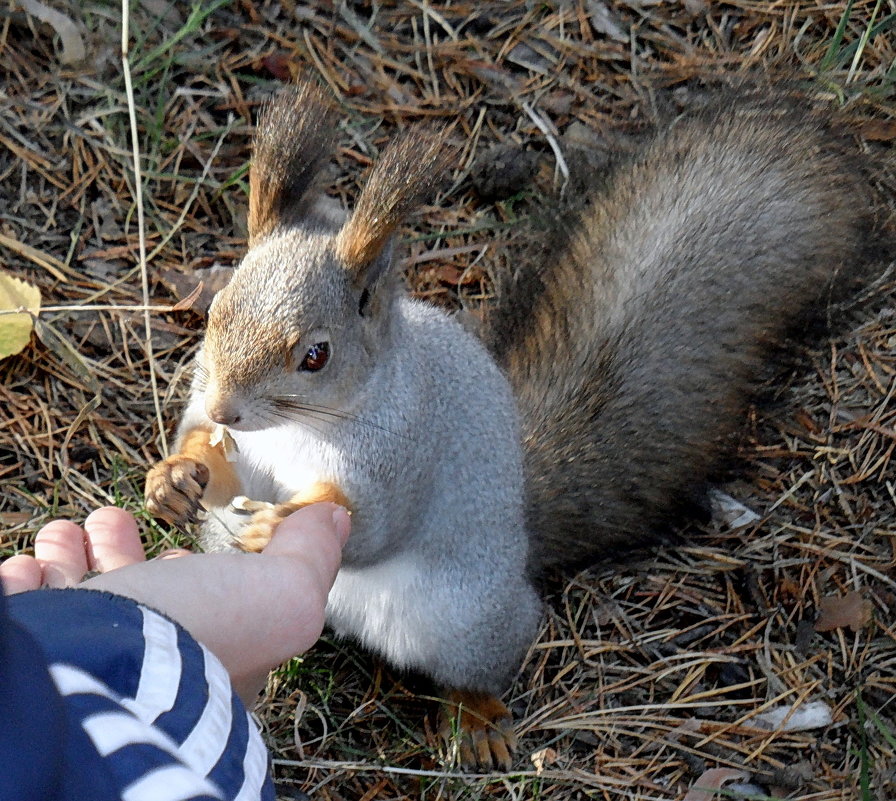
[316, 357]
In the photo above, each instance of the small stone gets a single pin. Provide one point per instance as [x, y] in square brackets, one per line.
[503, 171]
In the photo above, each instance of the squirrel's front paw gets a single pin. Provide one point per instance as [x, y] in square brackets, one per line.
[265, 519]
[174, 488]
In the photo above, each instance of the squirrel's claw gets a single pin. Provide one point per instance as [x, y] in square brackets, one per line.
[483, 727]
[174, 489]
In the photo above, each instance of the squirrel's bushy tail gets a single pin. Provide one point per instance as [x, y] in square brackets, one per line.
[634, 348]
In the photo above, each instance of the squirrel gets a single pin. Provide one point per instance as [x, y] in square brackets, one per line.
[598, 400]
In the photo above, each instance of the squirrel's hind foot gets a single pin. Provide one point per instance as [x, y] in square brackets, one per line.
[483, 728]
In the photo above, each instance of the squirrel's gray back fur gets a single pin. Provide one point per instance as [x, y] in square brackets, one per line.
[634, 348]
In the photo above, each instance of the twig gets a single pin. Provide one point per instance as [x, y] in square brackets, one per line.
[544, 125]
[138, 191]
[60, 271]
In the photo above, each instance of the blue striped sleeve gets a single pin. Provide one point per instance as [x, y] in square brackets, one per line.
[156, 705]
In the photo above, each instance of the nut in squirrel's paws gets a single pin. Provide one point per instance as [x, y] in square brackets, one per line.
[174, 488]
[483, 728]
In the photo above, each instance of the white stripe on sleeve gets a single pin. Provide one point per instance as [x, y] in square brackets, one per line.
[173, 783]
[70, 680]
[161, 669]
[255, 765]
[110, 731]
[203, 747]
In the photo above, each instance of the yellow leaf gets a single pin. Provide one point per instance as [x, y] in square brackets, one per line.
[15, 329]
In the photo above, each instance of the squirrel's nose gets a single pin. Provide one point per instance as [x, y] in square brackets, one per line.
[220, 411]
[224, 419]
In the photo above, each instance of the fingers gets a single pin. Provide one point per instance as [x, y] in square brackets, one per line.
[113, 539]
[342, 519]
[64, 552]
[20, 573]
[316, 534]
[308, 547]
[59, 549]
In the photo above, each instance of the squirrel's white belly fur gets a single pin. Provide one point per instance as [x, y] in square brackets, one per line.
[409, 607]
[381, 605]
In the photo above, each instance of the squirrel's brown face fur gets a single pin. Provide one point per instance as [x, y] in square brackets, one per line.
[313, 283]
[255, 350]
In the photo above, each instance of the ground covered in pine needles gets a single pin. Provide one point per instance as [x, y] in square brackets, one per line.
[760, 653]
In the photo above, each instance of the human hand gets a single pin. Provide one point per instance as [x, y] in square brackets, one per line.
[253, 611]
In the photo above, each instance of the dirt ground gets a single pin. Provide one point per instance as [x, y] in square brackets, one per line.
[646, 676]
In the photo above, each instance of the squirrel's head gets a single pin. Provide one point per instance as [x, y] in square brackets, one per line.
[305, 320]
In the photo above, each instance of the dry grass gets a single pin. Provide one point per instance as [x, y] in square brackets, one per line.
[643, 677]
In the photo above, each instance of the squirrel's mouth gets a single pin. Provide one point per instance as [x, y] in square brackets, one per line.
[246, 425]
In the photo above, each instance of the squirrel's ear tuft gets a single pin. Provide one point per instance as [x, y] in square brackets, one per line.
[407, 172]
[293, 140]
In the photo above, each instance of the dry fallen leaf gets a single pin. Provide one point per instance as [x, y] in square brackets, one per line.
[814, 715]
[73, 49]
[15, 329]
[696, 7]
[189, 300]
[605, 21]
[543, 758]
[730, 512]
[282, 66]
[841, 611]
[879, 130]
[456, 276]
[184, 285]
[711, 781]
[688, 726]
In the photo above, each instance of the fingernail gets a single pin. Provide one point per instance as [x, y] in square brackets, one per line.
[172, 553]
[343, 522]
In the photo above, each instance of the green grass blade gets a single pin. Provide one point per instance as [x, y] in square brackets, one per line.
[864, 756]
[871, 715]
[883, 26]
[834, 46]
[198, 15]
[863, 42]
